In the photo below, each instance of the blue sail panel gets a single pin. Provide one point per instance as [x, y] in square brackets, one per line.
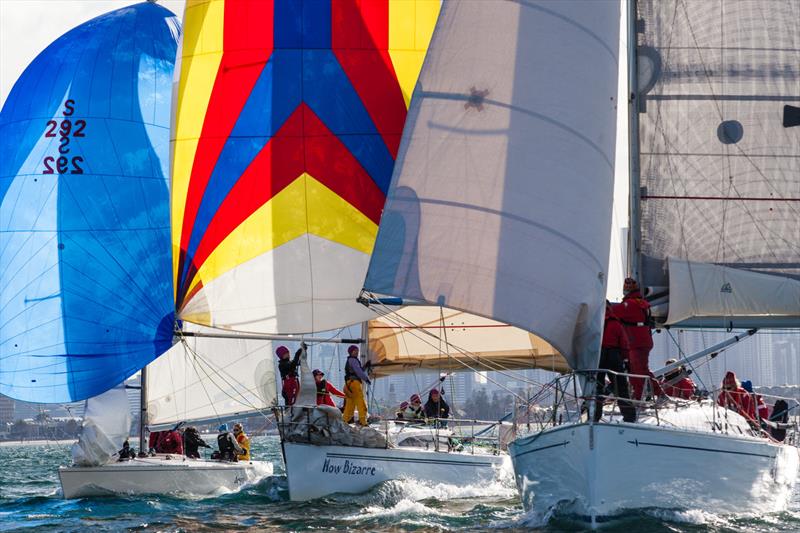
[85, 259]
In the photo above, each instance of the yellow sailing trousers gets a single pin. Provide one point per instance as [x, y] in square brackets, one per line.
[354, 399]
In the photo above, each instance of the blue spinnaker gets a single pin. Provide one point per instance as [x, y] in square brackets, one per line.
[85, 260]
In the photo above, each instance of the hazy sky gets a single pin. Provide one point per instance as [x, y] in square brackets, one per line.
[28, 26]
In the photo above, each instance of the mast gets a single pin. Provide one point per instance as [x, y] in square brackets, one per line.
[634, 218]
[142, 411]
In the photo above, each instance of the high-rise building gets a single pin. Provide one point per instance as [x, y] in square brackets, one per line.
[6, 409]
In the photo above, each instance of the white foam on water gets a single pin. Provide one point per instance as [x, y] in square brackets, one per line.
[403, 507]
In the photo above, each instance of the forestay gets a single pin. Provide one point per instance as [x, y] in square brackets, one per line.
[210, 379]
[500, 203]
[434, 338]
[720, 153]
[85, 291]
[288, 121]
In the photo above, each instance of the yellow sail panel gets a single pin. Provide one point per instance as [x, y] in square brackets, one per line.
[411, 24]
[414, 338]
[304, 206]
[199, 60]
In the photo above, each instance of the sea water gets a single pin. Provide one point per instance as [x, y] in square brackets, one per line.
[30, 500]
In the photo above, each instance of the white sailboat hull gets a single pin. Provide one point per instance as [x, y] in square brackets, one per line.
[597, 471]
[315, 471]
[158, 475]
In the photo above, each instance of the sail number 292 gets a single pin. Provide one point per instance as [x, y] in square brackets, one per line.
[65, 129]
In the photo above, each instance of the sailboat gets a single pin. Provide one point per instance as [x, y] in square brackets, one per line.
[714, 236]
[278, 186]
[86, 297]
[198, 381]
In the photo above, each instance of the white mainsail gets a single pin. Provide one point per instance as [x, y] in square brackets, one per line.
[210, 379]
[500, 203]
[720, 157]
[433, 338]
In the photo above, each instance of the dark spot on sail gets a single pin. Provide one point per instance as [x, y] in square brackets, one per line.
[730, 132]
[476, 98]
[61, 246]
[791, 116]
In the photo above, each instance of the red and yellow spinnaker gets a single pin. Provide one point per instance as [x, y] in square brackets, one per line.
[288, 121]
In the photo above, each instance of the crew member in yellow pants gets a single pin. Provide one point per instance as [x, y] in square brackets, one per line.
[354, 376]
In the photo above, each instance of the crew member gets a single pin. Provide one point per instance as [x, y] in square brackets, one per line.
[192, 442]
[758, 402]
[288, 370]
[325, 391]
[634, 313]
[354, 377]
[734, 397]
[243, 441]
[677, 383]
[229, 449]
[613, 356]
[437, 408]
[415, 410]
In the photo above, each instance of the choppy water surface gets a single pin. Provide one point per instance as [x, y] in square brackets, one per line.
[30, 500]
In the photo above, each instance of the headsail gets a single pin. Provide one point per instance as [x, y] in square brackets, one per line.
[423, 337]
[208, 379]
[85, 291]
[720, 157]
[288, 121]
[501, 199]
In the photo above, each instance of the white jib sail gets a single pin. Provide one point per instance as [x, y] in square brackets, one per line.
[208, 379]
[501, 197]
[106, 425]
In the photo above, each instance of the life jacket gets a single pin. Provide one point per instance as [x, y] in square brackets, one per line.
[226, 449]
[349, 373]
[634, 313]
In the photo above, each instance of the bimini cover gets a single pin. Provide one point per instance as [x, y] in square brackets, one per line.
[106, 425]
[85, 290]
[288, 121]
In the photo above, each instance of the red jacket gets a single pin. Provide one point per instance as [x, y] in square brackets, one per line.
[167, 442]
[684, 388]
[734, 397]
[613, 333]
[634, 312]
[325, 393]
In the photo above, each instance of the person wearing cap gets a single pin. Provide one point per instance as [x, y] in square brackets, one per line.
[354, 377]
[613, 356]
[325, 391]
[288, 369]
[634, 313]
[229, 449]
[677, 383]
[243, 441]
[437, 408]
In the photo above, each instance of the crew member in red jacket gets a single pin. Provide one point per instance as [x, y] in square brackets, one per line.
[677, 383]
[613, 357]
[325, 391]
[634, 313]
[734, 397]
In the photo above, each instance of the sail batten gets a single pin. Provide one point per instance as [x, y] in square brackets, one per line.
[501, 197]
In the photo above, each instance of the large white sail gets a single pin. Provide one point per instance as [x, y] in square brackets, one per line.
[208, 379]
[720, 151]
[433, 338]
[500, 203]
